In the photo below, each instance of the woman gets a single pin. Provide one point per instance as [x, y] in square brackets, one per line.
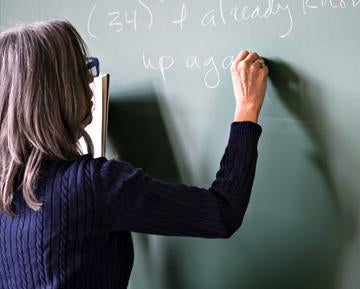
[66, 218]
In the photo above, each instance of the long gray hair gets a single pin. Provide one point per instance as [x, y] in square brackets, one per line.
[44, 85]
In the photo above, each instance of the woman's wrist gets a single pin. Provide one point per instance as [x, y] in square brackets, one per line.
[245, 114]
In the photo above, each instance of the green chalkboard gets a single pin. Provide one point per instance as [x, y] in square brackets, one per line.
[171, 108]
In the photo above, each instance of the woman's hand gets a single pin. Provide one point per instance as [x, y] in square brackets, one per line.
[249, 76]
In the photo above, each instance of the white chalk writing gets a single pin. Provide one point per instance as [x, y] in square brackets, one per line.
[182, 17]
[164, 63]
[219, 15]
[212, 77]
[143, 16]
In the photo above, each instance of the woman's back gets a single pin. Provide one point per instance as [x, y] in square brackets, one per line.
[81, 237]
[66, 244]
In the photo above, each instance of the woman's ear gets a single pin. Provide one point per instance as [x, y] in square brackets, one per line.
[86, 106]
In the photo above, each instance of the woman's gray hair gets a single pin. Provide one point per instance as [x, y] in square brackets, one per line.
[43, 86]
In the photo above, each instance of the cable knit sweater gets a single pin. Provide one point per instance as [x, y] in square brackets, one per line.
[81, 237]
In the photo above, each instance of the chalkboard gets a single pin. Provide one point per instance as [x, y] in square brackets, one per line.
[170, 59]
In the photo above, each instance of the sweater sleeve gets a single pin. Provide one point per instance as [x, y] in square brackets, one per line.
[135, 201]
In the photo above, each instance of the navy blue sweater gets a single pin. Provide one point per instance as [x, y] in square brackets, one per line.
[81, 237]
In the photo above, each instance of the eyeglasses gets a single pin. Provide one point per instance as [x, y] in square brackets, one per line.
[92, 64]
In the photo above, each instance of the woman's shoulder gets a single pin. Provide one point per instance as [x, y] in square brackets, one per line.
[94, 168]
[95, 174]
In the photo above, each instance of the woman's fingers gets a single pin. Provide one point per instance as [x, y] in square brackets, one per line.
[241, 56]
[259, 63]
[248, 58]
[252, 57]
[261, 60]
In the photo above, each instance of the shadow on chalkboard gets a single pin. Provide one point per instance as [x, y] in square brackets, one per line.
[138, 134]
[292, 89]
